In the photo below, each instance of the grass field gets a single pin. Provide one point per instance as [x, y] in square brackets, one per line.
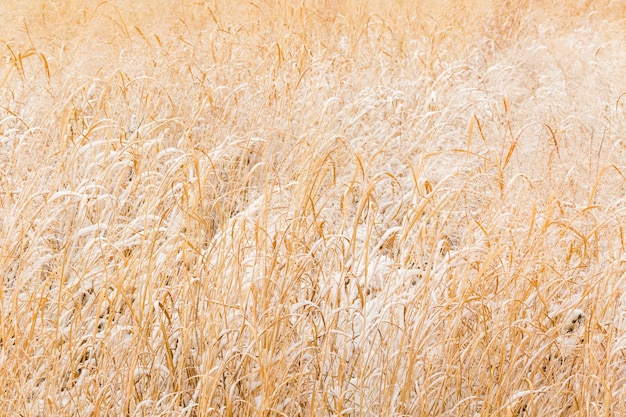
[312, 208]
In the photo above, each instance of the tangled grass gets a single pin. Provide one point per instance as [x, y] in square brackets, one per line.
[353, 208]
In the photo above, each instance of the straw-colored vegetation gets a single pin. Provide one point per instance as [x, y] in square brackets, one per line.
[267, 208]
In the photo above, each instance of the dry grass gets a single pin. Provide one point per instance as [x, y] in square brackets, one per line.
[312, 209]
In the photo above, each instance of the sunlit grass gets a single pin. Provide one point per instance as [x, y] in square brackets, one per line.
[308, 209]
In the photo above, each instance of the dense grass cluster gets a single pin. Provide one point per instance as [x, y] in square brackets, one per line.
[341, 208]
